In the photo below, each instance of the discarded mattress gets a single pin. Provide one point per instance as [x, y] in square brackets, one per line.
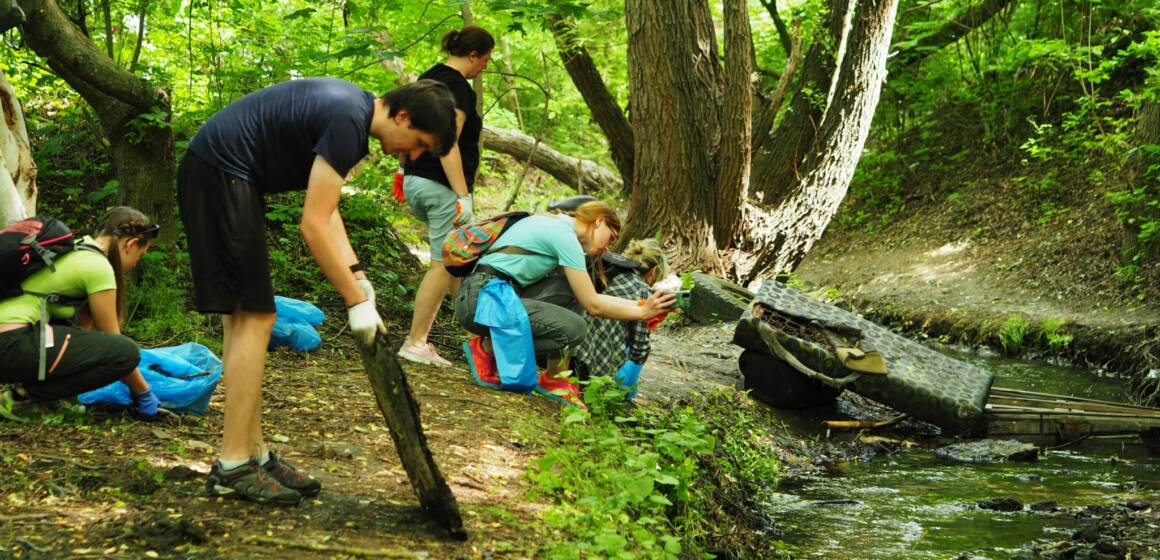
[845, 351]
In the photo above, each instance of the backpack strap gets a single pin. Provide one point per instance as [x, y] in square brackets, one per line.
[57, 298]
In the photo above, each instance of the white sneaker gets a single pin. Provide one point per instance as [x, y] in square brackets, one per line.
[423, 354]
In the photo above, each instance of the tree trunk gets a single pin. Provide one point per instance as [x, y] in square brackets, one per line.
[777, 162]
[564, 168]
[477, 82]
[781, 238]
[675, 92]
[732, 186]
[605, 110]
[134, 116]
[1145, 156]
[17, 169]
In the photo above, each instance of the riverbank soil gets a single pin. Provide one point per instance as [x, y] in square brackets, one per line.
[963, 266]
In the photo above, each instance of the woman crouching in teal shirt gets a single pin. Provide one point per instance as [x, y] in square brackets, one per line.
[542, 258]
[90, 353]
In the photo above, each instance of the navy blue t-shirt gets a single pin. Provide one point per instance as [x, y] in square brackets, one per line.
[428, 165]
[271, 136]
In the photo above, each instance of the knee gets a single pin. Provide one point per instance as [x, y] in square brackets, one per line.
[575, 329]
[123, 354]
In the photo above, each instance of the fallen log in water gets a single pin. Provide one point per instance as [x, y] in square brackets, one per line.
[401, 411]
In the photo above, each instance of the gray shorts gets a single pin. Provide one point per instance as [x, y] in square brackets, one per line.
[434, 204]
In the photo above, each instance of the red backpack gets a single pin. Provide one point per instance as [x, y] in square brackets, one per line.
[464, 245]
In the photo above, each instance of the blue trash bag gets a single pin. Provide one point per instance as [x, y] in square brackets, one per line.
[183, 377]
[298, 310]
[294, 324]
[628, 377]
[500, 309]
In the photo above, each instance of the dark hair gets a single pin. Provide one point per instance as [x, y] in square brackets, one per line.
[470, 39]
[119, 223]
[432, 109]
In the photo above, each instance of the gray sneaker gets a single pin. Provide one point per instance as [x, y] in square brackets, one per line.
[288, 476]
[249, 482]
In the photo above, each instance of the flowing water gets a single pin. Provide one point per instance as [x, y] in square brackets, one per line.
[914, 505]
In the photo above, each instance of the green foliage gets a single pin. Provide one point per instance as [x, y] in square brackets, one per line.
[635, 482]
[1050, 334]
[617, 471]
[1011, 334]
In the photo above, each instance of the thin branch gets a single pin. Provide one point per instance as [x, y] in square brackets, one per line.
[543, 125]
[402, 50]
[140, 34]
[782, 32]
[344, 550]
[108, 29]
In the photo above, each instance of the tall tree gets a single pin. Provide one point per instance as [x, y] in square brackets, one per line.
[1143, 170]
[134, 114]
[804, 214]
[607, 113]
[675, 86]
[17, 169]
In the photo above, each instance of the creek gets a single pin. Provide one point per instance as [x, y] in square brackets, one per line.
[912, 504]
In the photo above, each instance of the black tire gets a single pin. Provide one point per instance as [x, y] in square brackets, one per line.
[775, 383]
[715, 300]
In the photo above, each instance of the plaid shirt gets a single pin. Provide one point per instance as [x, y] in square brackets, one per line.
[603, 350]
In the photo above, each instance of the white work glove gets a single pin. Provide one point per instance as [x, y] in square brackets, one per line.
[462, 210]
[365, 321]
[367, 288]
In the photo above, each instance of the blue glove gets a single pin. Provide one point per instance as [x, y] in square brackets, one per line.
[628, 376]
[147, 405]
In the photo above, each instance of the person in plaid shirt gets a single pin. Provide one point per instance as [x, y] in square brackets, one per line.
[611, 344]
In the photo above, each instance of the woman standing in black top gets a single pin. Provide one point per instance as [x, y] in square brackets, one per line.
[438, 189]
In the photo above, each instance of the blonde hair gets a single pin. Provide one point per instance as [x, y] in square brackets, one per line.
[649, 254]
[588, 213]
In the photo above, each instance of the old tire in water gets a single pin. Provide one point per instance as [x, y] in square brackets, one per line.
[715, 300]
[775, 383]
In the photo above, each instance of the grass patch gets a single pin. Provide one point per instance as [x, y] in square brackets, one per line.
[1011, 334]
[638, 482]
[1049, 333]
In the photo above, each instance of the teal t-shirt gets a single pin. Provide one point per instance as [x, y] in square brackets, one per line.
[551, 238]
[79, 273]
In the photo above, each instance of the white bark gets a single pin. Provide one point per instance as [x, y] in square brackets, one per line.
[791, 229]
[17, 170]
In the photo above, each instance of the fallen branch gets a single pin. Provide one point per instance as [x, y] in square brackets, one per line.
[346, 550]
[560, 166]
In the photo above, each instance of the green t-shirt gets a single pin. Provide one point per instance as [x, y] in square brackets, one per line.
[80, 273]
[551, 238]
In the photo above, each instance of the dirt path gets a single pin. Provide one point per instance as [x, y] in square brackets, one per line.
[955, 276]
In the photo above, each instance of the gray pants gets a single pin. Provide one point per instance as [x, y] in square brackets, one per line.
[557, 319]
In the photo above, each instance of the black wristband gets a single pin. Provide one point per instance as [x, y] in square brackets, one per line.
[356, 267]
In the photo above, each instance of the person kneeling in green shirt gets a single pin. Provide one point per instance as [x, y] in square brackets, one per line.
[91, 352]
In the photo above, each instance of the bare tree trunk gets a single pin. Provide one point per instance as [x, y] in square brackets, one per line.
[780, 239]
[1145, 157]
[511, 92]
[17, 169]
[732, 184]
[563, 168]
[675, 94]
[477, 82]
[605, 110]
[134, 116]
[777, 162]
[782, 32]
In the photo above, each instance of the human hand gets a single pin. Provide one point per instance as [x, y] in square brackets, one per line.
[147, 404]
[462, 210]
[365, 321]
[367, 288]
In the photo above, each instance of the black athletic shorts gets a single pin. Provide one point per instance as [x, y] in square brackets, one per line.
[225, 222]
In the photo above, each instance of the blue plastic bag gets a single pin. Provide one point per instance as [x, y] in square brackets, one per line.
[294, 324]
[183, 377]
[500, 309]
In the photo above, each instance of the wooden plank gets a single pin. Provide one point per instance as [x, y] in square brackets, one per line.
[1014, 411]
[1001, 391]
[1039, 403]
[399, 408]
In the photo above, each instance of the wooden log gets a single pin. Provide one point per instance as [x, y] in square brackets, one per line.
[398, 405]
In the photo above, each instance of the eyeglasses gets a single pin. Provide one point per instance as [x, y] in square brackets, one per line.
[144, 231]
